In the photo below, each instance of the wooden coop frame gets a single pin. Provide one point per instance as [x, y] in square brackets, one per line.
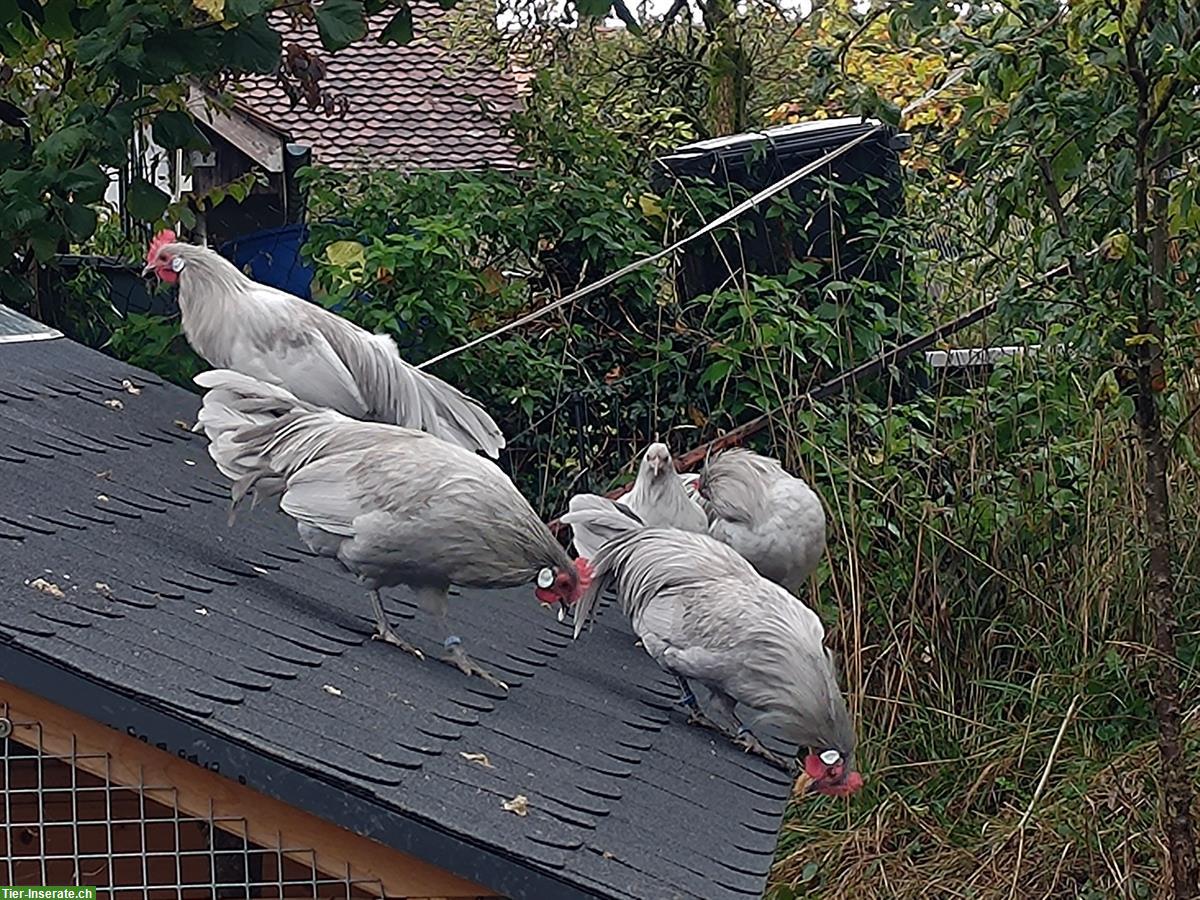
[85, 804]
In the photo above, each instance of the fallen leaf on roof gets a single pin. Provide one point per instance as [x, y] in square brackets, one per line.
[103, 589]
[114, 403]
[331, 690]
[607, 855]
[189, 462]
[103, 498]
[179, 423]
[480, 758]
[129, 387]
[518, 804]
[202, 611]
[107, 473]
[47, 587]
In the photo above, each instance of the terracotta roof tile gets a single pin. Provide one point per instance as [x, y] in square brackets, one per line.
[424, 105]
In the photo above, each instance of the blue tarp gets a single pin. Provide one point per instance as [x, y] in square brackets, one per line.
[273, 256]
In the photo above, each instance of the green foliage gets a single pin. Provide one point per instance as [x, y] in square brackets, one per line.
[447, 256]
[175, 130]
[85, 75]
[156, 343]
[597, 9]
[990, 561]
[340, 23]
[400, 29]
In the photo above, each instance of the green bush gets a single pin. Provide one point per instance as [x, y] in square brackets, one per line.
[437, 258]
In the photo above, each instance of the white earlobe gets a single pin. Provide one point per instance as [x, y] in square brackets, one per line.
[545, 578]
[177, 264]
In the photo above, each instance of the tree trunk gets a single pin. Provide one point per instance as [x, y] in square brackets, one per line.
[1151, 221]
[729, 70]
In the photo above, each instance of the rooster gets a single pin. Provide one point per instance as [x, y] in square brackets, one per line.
[658, 498]
[393, 505]
[773, 519]
[703, 613]
[319, 357]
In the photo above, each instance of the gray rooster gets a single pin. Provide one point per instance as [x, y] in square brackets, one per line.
[704, 614]
[319, 357]
[773, 519]
[393, 505]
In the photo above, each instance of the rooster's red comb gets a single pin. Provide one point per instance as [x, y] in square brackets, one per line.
[167, 236]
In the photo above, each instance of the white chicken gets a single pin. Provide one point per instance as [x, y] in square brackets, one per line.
[703, 613]
[237, 323]
[393, 505]
[658, 498]
[773, 519]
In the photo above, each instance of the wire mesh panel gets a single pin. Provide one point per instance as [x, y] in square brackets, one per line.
[64, 821]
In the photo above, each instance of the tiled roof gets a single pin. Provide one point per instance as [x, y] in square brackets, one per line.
[422, 105]
[221, 641]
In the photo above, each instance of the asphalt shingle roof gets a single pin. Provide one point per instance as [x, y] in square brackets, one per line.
[423, 105]
[222, 641]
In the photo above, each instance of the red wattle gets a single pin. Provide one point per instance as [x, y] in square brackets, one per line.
[813, 767]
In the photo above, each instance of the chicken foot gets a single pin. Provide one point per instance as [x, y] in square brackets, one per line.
[455, 655]
[743, 737]
[747, 741]
[384, 631]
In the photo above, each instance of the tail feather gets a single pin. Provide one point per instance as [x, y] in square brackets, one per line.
[604, 565]
[460, 419]
[597, 520]
[239, 416]
[401, 394]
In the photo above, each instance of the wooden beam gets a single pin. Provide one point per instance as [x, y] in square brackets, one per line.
[261, 144]
[199, 792]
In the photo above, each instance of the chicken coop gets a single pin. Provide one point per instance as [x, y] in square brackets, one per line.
[84, 806]
[190, 709]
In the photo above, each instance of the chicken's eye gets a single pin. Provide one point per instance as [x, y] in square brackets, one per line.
[545, 578]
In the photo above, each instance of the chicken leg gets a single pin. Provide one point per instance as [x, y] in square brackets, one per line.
[435, 599]
[688, 700]
[743, 737]
[384, 631]
[455, 655]
[747, 741]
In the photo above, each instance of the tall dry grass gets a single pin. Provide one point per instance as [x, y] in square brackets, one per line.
[985, 576]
